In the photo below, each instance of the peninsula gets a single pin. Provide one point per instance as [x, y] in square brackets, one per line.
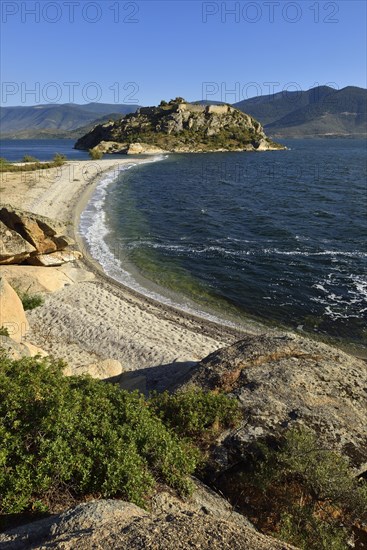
[179, 127]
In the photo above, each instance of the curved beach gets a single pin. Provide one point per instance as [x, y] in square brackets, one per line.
[92, 317]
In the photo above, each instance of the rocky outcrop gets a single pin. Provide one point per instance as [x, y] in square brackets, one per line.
[113, 524]
[39, 280]
[15, 350]
[281, 381]
[111, 147]
[179, 127]
[12, 316]
[13, 248]
[30, 238]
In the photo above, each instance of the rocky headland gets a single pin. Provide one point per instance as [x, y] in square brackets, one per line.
[179, 127]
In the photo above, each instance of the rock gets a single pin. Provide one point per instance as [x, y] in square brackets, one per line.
[103, 370]
[143, 149]
[35, 350]
[40, 279]
[132, 381]
[12, 315]
[113, 524]
[12, 349]
[111, 147]
[23, 235]
[13, 248]
[179, 127]
[281, 381]
[55, 258]
[204, 501]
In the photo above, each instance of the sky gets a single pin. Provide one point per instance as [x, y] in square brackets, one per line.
[141, 52]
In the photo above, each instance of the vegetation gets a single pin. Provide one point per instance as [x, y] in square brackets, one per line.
[77, 436]
[31, 165]
[302, 493]
[30, 301]
[29, 158]
[95, 154]
[4, 331]
[196, 413]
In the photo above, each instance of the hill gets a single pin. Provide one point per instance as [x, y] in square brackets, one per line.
[56, 120]
[179, 127]
[319, 112]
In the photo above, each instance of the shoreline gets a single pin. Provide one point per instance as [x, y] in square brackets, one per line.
[92, 264]
[91, 318]
[210, 319]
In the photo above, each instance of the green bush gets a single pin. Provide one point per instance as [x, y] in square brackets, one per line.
[30, 301]
[31, 165]
[312, 491]
[4, 331]
[59, 160]
[81, 436]
[196, 413]
[29, 158]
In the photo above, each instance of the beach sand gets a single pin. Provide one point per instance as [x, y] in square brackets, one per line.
[89, 317]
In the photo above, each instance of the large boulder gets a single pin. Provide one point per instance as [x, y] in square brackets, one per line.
[12, 316]
[102, 370]
[113, 524]
[12, 349]
[54, 259]
[36, 279]
[24, 235]
[281, 381]
[13, 248]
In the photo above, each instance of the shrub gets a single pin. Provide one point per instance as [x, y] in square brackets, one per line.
[307, 494]
[196, 413]
[4, 331]
[95, 154]
[31, 165]
[29, 158]
[59, 160]
[81, 436]
[30, 301]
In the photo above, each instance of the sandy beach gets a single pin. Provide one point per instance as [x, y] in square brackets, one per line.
[89, 318]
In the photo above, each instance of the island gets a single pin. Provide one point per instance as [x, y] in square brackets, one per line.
[178, 127]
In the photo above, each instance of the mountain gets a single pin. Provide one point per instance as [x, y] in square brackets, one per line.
[48, 133]
[60, 118]
[180, 127]
[321, 111]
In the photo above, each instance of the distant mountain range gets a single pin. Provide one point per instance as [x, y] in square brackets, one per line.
[57, 121]
[319, 112]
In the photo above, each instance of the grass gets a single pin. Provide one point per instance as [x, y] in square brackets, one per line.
[29, 301]
[31, 164]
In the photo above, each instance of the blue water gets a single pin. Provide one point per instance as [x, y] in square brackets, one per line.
[15, 149]
[278, 236]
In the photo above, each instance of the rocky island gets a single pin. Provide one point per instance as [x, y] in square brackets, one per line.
[179, 127]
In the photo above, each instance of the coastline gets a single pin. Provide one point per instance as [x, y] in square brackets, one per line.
[92, 318]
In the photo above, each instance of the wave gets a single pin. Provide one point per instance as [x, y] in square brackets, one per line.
[352, 303]
[201, 250]
[94, 230]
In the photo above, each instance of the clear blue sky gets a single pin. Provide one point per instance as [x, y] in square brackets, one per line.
[161, 49]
